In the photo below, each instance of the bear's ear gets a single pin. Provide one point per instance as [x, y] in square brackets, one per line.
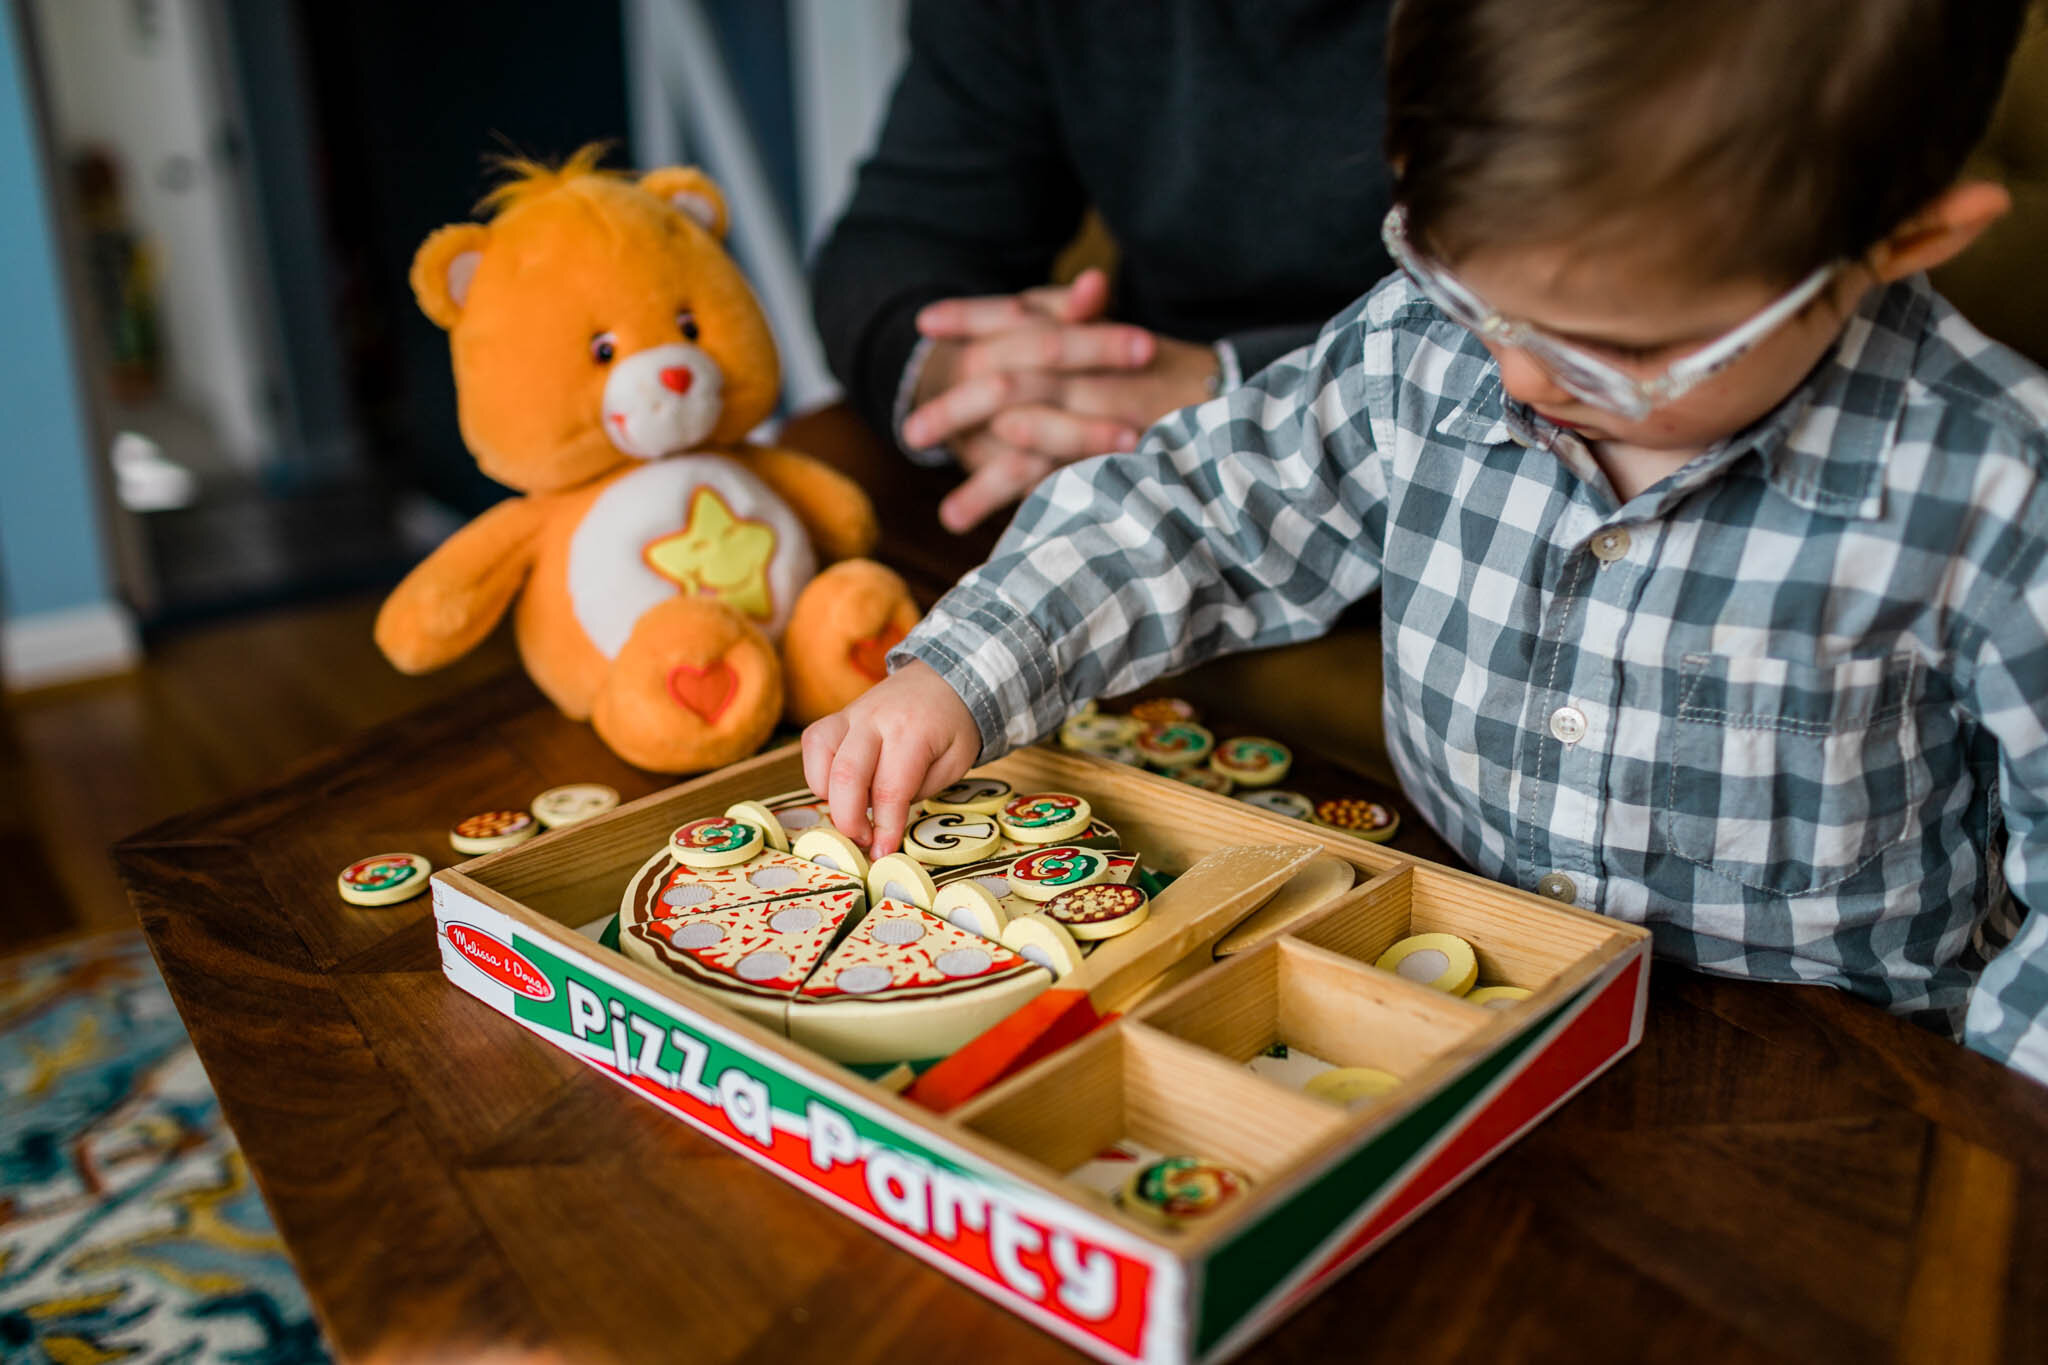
[692, 191]
[443, 267]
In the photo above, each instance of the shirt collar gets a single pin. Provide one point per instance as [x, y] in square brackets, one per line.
[1824, 448]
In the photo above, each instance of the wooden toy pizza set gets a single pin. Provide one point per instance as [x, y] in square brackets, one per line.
[1158, 1092]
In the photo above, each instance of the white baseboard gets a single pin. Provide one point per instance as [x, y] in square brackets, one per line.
[66, 646]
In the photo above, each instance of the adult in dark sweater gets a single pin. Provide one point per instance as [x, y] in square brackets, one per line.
[1232, 149]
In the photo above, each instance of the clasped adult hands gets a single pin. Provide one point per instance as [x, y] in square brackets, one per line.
[1016, 385]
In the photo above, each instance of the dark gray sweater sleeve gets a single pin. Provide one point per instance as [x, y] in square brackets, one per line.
[969, 191]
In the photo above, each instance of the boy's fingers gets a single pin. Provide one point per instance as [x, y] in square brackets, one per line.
[1002, 480]
[853, 770]
[820, 742]
[1059, 434]
[972, 317]
[898, 776]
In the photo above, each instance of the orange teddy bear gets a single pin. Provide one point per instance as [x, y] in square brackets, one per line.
[609, 361]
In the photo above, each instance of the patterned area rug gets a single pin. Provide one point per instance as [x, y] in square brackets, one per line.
[129, 1228]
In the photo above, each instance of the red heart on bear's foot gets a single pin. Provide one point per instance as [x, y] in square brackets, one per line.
[870, 657]
[707, 691]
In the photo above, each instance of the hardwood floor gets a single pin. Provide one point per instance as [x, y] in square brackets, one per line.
[215, 710]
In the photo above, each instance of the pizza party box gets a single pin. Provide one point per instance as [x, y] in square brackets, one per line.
[1010, 1192]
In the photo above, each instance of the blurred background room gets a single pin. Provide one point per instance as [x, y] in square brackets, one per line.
[228, 429]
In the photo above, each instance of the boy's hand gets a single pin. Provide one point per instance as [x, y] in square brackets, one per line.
[903, 739]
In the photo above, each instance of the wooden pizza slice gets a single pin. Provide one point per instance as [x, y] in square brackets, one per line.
[747, 935]
[904, 984]
[750, 958]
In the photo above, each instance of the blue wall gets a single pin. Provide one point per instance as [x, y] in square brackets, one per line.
[51, 555]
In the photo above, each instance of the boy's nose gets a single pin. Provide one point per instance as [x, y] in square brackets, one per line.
[1526, 381]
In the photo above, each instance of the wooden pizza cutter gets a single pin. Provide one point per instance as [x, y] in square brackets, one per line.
[1187, 919]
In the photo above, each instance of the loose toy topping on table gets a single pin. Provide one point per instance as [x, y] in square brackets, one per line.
[1165, 711]
[386, 879]
[1293, 805]
[572, 804]
[492, 830]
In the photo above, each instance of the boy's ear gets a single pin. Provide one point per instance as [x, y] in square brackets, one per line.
[1939, 232]
[443, 267]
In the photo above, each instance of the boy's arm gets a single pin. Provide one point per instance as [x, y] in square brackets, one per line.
[2001, 652]
[1248, 521]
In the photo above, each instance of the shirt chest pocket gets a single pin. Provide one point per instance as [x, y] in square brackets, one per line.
[1787, 777]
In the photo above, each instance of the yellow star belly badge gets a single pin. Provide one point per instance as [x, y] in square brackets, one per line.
[717, 554]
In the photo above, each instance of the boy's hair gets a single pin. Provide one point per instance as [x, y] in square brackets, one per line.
[1763, 137]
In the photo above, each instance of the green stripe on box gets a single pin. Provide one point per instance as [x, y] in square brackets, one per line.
[1243, 1272]
[786, 1092]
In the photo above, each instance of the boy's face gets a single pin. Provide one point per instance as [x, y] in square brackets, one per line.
[1642, 318]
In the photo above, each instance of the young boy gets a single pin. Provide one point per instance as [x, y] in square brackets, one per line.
[1709, 539]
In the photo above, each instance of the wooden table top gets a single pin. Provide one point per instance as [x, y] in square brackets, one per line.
[1777, 1173]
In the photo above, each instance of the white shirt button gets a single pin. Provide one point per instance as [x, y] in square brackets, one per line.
[1610, 544]
[1568, 723]
[1557, 886]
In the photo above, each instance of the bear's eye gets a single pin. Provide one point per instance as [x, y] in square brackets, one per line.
[603, 347]
[687, 320]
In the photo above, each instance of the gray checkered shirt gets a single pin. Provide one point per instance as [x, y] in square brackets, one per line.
[1787, 707]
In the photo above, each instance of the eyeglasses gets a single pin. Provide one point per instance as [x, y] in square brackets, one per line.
[1582, 374]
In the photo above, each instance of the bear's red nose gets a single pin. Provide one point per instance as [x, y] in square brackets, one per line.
[677, 377]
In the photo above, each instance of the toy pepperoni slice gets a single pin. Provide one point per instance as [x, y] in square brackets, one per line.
[1100, 911]
[1044, 874]
[716, 841]
[1044, 817]
[1251, 761]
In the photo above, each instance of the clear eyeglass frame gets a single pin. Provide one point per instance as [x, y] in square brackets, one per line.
[1578, 371]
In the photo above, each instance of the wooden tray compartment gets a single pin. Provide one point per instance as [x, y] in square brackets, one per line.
[1519, 940]
[1129, 1081]
[1293, 993]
